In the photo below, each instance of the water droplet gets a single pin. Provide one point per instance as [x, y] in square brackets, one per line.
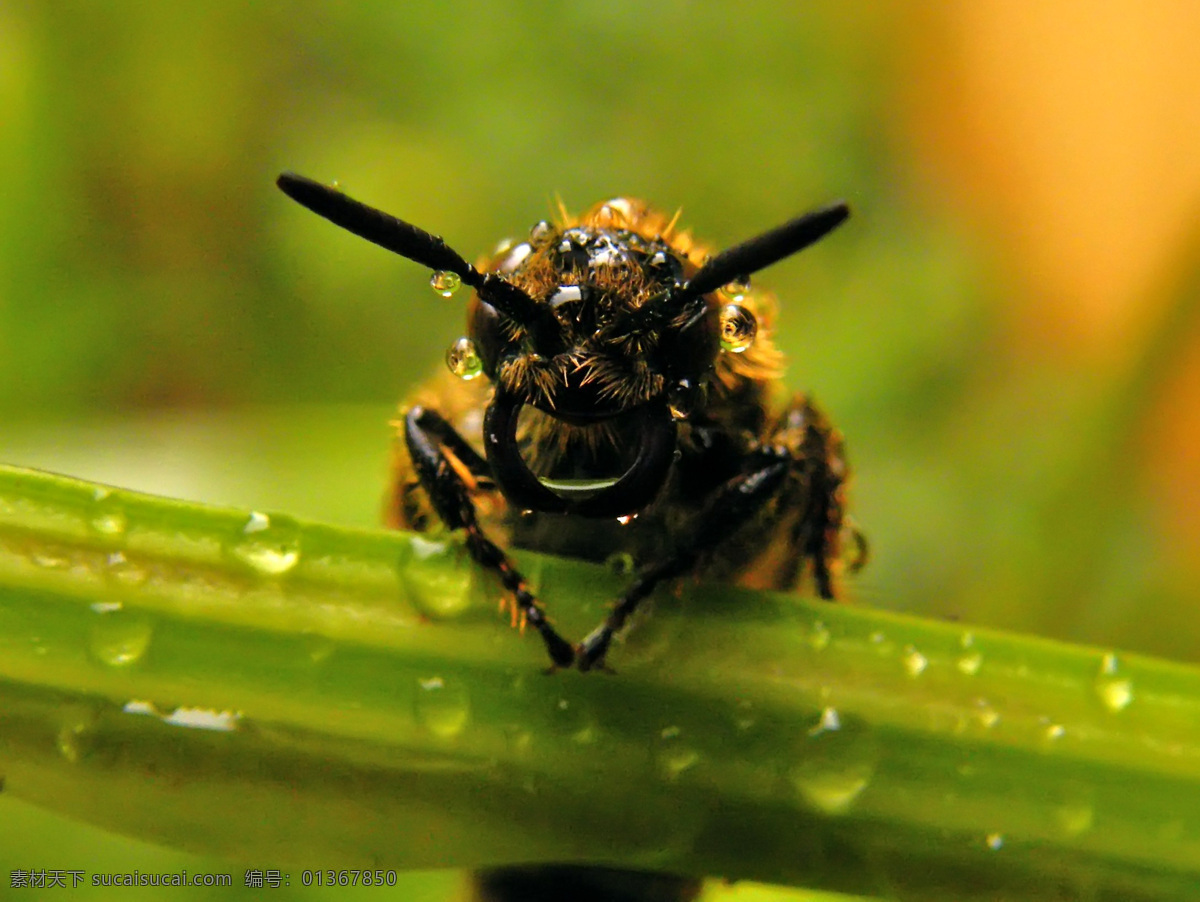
[50, 560]
[541, 231]
[744, 718]
[105, 607]
[994, 841]
[612, 213]
[565, 294]
[120, 638]
[969, 664]
[818, 636]
[204, 719]
[436, 582]
[442, 707]
[318, 649]
[107, 517]
[985, 715]
[738, 328]
[914, 662]
[518, 742]
[270, 546]
[74, 736]
[836, 765]
[737, 288]
[673, 755]
[122, 572]
[571, 718]
[830, 720]
[463, 359]
[620, 564]
[515, 258]
[445, 282]
[1114, 691]
[626, 519]
[685, 396]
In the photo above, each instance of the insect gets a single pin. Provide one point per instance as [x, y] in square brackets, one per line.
[628, 405]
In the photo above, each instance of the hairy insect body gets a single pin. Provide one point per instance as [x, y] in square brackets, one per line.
[737, 414]
[630, 406]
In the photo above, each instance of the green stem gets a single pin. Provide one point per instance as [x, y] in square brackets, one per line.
[262, 688]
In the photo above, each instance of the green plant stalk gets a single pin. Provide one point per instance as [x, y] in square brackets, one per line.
[310, 696]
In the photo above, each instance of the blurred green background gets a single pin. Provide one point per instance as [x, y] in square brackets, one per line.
[1006, 331]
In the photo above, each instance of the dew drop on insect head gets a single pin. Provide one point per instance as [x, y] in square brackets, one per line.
[463, 360]
[445, 282]
[540, 232]
[738, 328]
[737, 288]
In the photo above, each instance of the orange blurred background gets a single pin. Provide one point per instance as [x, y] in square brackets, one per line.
[1070, 131]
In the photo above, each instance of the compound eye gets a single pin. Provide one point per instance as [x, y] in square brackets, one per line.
[487, 334]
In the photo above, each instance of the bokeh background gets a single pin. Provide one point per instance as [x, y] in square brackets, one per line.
[1007, 331]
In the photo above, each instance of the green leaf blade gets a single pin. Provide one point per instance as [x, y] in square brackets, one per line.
[251, 685]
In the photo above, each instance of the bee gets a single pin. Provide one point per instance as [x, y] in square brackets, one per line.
[629, 404]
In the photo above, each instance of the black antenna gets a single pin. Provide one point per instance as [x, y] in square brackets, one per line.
[408, 241]
[742, 260]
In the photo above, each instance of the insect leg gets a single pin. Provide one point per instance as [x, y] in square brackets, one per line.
[733, 504]
[816, 449]
[429, 437]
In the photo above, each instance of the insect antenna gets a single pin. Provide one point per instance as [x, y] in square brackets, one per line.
[742, 260]
[408, 241]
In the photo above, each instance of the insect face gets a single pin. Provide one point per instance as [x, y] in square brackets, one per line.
[615, 351]
[608, 341]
